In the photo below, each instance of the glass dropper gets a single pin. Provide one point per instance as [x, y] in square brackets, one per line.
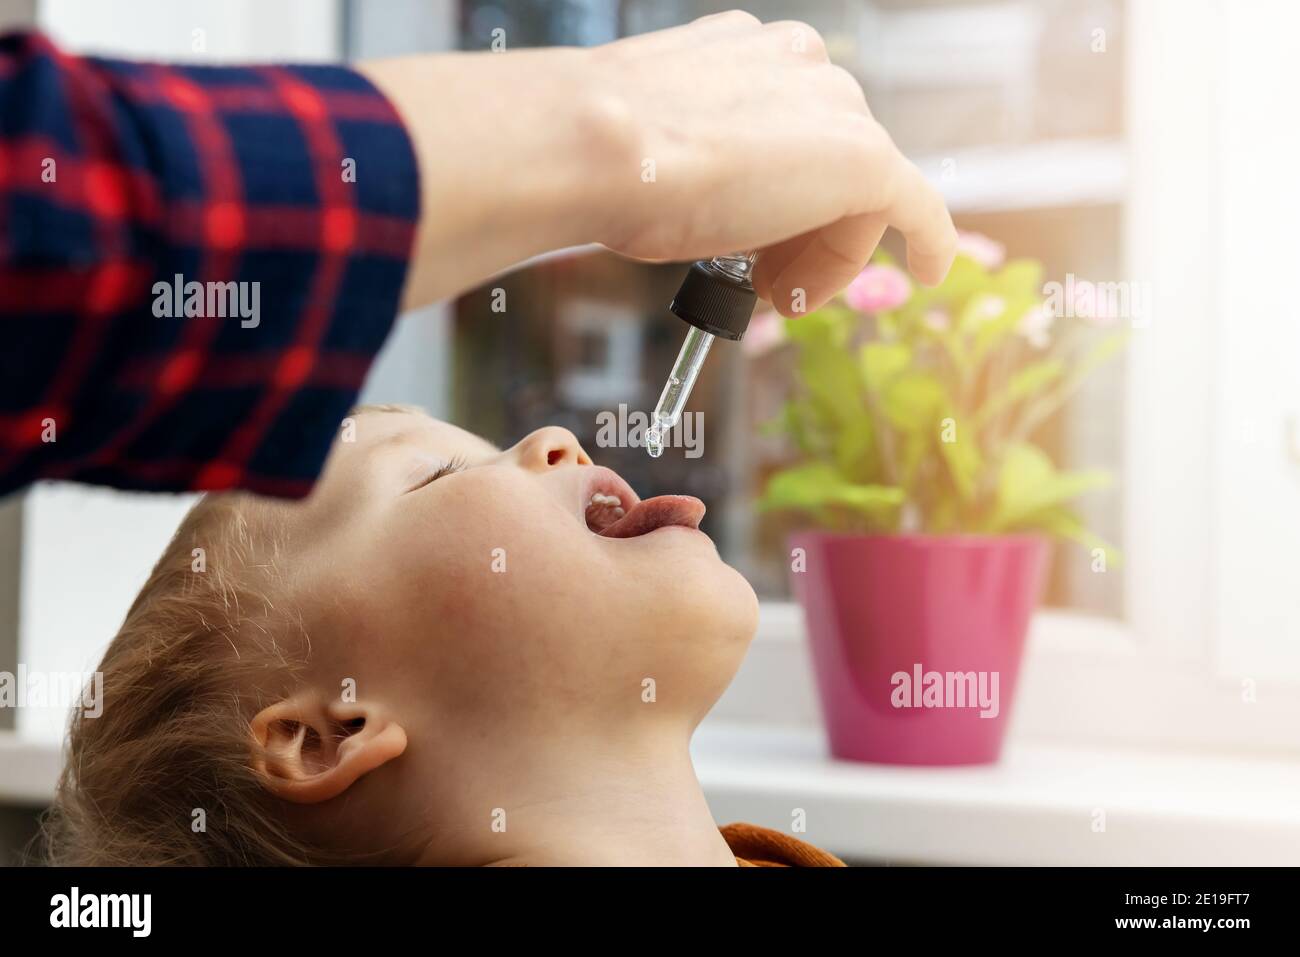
[717, 298]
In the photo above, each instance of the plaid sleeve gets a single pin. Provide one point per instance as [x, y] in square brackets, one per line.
[197, 266]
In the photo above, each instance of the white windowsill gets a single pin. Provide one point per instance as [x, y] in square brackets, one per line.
[1035, 807]
[29, 769]
[1077, 745]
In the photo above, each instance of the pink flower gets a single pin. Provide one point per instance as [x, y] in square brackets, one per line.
[1036, 324]
[766, 331]
[988, 308]
[936, 320]
[989, 253]
[878, 288]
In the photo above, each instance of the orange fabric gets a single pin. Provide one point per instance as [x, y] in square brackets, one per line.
[756, 846]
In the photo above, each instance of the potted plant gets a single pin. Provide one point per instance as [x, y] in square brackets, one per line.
[928, 504]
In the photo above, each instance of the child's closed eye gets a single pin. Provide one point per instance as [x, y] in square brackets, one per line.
[447, 468]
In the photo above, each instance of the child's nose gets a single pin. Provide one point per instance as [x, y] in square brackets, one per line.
[550, 447]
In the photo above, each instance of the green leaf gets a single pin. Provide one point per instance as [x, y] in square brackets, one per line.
[1028, 483]
[982, 311]
[962, 456]
[954, 345]
[817, 485]
[1043, 406]
[884, 361]
[997, 330]
[855, 446]
[1098, 355]
[831, 378]
[964, 278]
[1064, 523]
[912, 402]
[795, 421]
[913, 450]
[1019, 279]
[945, 517]
[829, 374]
[867, 417]
[1029, 381]
[830, 325]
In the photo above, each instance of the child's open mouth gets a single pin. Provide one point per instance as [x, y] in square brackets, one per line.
[613, 510]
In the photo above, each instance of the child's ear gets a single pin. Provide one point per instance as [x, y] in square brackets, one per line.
[311, 750]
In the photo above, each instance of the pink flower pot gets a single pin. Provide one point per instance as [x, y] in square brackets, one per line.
[916, 641]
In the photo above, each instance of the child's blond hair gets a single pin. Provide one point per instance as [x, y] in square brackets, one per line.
[163, 776]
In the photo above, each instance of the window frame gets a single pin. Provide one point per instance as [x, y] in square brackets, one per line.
[1156, 678]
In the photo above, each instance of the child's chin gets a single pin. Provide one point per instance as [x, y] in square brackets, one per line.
[729, 603]
[746, 606]
[690, 587]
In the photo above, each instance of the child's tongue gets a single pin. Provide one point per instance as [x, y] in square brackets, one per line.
[651, 513]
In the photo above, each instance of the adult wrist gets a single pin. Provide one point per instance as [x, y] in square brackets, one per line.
[519, 153]
[609, 156]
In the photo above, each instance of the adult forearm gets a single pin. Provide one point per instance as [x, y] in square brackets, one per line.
[516, 151]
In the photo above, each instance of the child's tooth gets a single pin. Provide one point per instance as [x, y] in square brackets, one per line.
[601, 499]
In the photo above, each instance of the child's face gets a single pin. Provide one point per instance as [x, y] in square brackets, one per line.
[483, 600]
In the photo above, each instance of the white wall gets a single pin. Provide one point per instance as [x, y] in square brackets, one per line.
[86, 552]
[233, 30]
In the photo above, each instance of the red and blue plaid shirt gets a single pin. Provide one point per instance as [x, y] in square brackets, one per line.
[124, 183]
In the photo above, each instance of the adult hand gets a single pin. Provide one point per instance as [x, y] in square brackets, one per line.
[721, 135]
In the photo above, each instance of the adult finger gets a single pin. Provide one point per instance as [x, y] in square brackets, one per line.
[827, 263]
[773, 259]
[917, 210]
